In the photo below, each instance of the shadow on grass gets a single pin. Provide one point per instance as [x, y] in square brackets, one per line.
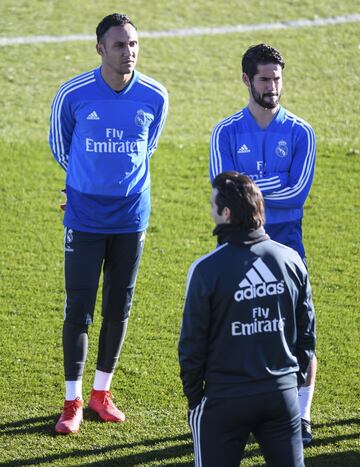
[335, 459]
[152, 453]
[43, 425]
[349, 421]
[339, 438]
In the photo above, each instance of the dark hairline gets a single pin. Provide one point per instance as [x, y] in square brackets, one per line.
[113, 20]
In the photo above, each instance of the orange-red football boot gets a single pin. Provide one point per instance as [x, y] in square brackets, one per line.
[101, 403]
[71, 417]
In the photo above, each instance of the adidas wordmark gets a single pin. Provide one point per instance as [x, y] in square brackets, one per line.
[259, 281]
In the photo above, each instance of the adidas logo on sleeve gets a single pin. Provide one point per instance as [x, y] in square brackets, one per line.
[260, 282]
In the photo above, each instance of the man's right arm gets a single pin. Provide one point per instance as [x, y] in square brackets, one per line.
[62, 125]
[221, 157]
[193, 338]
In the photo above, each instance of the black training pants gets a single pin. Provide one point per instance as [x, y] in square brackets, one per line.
[221, 427]
[85, 255]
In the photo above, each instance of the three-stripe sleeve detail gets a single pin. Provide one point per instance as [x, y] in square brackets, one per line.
[57, 136]
[215, 154]
[271, 183]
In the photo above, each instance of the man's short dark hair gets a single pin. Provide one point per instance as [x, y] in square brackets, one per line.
[243, 197]
[116, 19]
[260, 54]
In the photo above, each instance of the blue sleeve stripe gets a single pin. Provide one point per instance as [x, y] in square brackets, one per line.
[57, 136]
[308, 167]
[215, 154]
[269, 183]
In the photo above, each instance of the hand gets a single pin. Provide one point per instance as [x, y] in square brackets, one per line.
[63, 205]
[193, 405]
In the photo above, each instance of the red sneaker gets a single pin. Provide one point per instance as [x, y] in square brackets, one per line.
[70, 419]
[101, 402]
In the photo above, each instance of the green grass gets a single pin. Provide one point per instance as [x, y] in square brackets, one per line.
[203, 78]
[41, 17]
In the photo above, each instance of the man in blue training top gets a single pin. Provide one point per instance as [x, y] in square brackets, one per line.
[105, 125]
[277, 150]
[247, 336]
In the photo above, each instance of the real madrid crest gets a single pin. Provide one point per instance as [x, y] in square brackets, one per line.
[140, 118]
[69, 236]
[282, 149]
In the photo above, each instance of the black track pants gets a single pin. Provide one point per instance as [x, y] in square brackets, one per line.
[85, 255]
[221, 427]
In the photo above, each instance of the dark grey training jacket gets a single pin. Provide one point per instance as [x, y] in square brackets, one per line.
[248, 324]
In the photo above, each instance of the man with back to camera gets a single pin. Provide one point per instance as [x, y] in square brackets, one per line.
[105, 125]
[247, 336]
[277, 150]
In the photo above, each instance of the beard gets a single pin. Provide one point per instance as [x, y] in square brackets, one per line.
[261, 100]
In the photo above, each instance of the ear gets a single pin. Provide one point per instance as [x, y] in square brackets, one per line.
[226, 215]
[100, 49]
[246, 80]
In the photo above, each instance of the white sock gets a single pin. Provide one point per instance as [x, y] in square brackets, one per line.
[305, 398]
[73, 390]
[102, 380]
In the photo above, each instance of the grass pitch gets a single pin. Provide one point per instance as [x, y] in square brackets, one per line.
[203, 77]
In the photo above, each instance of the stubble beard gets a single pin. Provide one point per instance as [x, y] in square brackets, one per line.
[261, 99]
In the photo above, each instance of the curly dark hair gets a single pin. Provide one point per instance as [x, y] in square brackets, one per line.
[116, 19]
[260, 54]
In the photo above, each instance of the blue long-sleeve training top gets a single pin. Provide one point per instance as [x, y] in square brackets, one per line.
[279, 158]
[104, 139]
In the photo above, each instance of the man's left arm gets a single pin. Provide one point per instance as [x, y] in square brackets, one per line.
[193, 338]
[295, 185]
[305, 324]
[157, 125]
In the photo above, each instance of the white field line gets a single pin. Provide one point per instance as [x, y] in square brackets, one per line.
[300, 23]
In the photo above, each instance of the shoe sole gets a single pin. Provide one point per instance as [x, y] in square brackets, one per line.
[68, 432]
[111, 420]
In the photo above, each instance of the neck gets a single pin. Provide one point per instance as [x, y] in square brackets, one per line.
[262, 115]
[229, 233]
[116, 81]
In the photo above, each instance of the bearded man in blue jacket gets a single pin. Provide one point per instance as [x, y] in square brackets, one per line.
[277, 149]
